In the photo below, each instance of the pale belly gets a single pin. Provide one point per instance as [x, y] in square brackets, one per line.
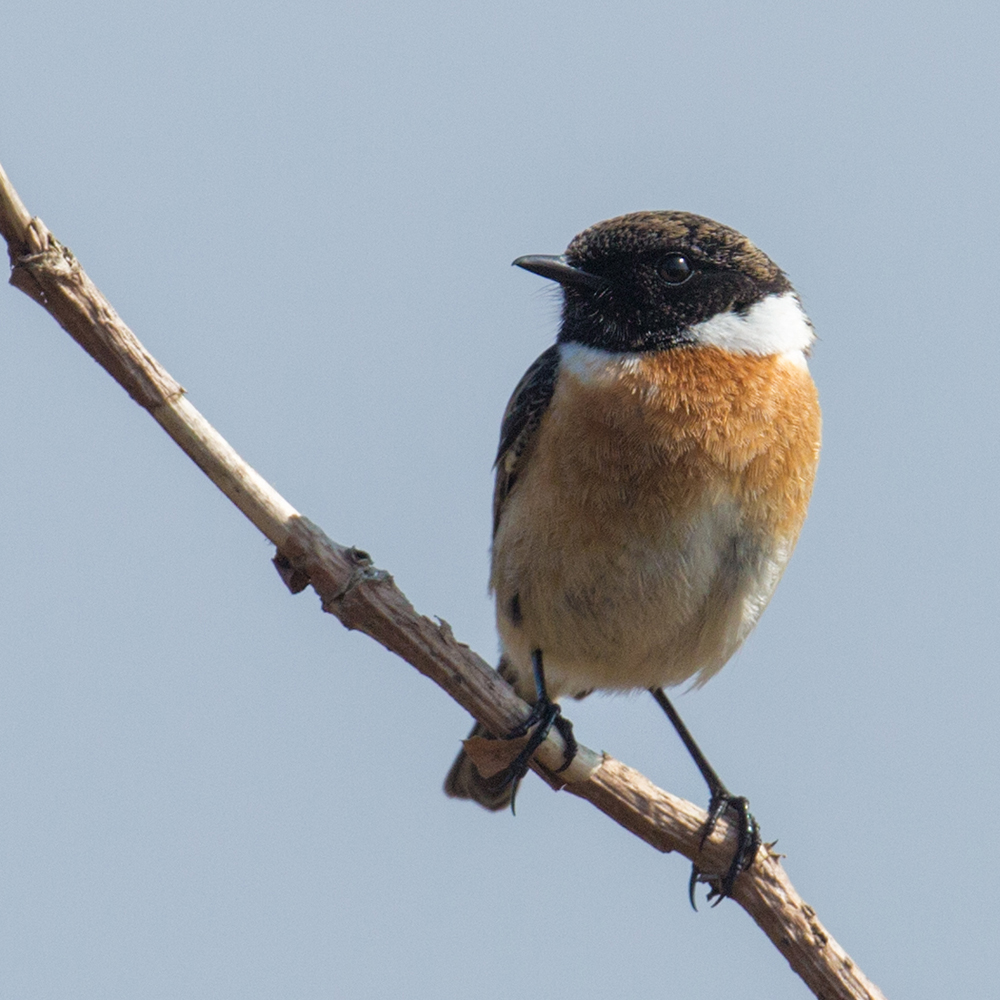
[620, 611]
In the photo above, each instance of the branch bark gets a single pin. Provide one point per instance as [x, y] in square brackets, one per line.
[367, 599]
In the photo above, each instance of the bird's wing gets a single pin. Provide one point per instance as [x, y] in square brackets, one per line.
[520, 422]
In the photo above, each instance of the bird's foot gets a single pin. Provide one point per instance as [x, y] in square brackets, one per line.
[544, 715]
[747, 843]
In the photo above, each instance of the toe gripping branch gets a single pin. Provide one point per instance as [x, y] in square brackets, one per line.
[747, 843]
[545, 714]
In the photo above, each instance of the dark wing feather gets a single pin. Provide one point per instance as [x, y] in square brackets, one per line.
[520, 422]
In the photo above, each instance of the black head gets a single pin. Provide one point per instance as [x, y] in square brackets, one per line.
[641, 281]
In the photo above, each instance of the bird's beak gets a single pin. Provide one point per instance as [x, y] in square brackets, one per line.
[556, 269]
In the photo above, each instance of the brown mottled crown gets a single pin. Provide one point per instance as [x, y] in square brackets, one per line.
[644, 232]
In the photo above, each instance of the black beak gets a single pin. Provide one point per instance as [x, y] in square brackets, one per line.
[556, 269]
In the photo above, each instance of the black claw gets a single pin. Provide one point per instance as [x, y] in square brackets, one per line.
[515, 784]
[692, 883]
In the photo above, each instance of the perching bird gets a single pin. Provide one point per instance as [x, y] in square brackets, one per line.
[652, 478]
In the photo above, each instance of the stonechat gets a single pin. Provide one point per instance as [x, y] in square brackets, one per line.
[653, 474]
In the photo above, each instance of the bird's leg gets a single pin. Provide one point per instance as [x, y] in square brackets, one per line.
[545, 714]
[748, 832]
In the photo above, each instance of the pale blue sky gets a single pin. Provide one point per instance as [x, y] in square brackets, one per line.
[307, 212]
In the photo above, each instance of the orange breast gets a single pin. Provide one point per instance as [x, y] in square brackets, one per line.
[681, 428]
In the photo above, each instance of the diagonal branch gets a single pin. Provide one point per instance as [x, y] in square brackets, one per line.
[367, 599]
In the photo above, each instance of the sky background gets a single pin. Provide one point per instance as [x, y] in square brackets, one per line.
[307, 212]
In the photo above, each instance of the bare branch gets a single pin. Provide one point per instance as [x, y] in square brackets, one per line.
[367, 599]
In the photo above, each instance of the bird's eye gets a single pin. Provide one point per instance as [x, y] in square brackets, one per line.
[675, 269]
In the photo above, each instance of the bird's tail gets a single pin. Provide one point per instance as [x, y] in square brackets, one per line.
[465, 782]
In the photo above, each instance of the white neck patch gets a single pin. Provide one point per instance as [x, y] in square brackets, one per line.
[775, 325]
[592, 364]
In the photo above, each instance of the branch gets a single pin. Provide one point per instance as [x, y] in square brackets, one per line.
[367, 599]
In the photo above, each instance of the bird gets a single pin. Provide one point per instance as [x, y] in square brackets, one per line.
[653, 473]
